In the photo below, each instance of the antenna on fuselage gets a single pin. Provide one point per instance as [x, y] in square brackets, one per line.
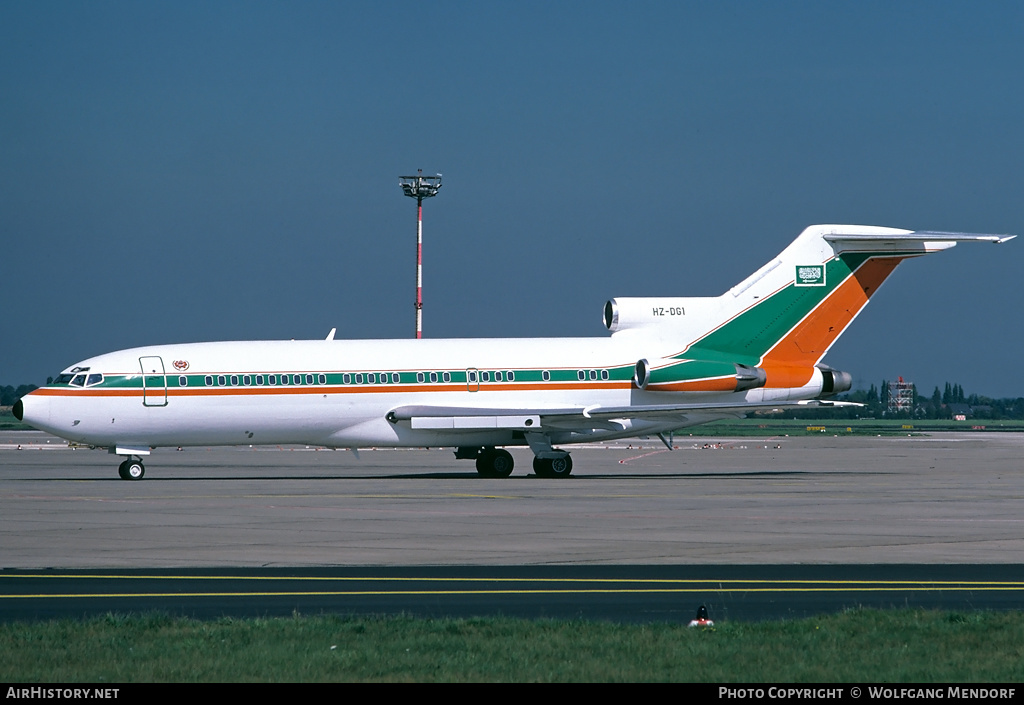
[419, 187]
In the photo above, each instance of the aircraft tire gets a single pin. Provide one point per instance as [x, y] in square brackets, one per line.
[553, 467]
[542, 467]
[495, 463]
[561, 467]
[131, 470]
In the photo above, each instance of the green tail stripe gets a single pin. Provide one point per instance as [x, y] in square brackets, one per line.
[746, 338]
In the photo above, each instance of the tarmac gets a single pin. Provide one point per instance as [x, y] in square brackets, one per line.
[949, 498]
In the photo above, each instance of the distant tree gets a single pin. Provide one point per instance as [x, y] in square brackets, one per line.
[872, 397]
[935, 404]
[9, 394]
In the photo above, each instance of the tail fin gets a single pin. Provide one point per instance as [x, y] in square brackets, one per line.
[786, 315]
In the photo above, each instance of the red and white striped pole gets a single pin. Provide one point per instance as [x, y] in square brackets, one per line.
[419, 268]
[419, 187]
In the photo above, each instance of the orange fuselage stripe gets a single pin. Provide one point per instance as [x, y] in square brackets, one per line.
[722, 384]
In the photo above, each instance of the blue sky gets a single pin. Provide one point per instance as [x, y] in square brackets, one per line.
[174, 172]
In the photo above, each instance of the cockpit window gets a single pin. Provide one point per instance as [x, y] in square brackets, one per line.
[93, 379]
[78, 381]
[64, 378]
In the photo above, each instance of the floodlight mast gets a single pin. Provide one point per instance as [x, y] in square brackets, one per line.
[419, 187]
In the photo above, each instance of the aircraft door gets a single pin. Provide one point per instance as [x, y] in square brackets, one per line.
[154, 381]
[473, 379]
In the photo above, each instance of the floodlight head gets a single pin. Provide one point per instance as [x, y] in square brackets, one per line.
[420, 186]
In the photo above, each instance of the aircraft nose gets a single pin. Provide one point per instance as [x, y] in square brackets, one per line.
[32, 410]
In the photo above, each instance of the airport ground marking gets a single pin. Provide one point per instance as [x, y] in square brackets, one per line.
[407, 593]
[655, 586]
[383, 578]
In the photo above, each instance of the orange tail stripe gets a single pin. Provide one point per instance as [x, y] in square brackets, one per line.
[789, 363]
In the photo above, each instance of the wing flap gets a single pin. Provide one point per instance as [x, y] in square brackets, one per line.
[442, 418]
[461, 423]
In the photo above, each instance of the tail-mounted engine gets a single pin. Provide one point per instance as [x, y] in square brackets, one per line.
[697, 376]
[645, 312]
[834, 381]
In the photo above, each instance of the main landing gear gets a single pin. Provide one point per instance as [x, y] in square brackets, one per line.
[553, 467]
[494, 462]
[131, 469]
[498, 462]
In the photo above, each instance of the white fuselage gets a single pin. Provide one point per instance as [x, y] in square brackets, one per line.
[227, 398]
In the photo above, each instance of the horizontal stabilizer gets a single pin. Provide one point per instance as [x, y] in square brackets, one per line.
[916, 236]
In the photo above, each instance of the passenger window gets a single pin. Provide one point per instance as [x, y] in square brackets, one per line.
[323, 379]
[395, 378]
[546, 376]
[419, 377]
[447, 376]
[246, 380]
[183, 381]
[221, 380]
[309, 379]
[604, 374]
[433, 376]
[485, 376]
[580, 374]
[209, 380]
[497, 377]
[259, 380]
[511, 376]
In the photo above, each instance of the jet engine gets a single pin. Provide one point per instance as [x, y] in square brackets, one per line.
[834, 381]
[643, 312]
[697, 376]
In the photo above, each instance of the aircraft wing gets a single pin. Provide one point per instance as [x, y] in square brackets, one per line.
[440, 418]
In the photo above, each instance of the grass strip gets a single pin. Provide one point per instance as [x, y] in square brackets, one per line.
[853, 646]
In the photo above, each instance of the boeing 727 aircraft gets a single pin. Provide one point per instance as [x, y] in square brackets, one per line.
[668, 363]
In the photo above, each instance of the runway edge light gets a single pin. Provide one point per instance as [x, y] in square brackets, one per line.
[701, 620]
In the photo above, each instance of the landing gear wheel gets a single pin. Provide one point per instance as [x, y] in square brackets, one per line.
[495, 463]
[131, 470]
[553, 467]
[540, 467]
